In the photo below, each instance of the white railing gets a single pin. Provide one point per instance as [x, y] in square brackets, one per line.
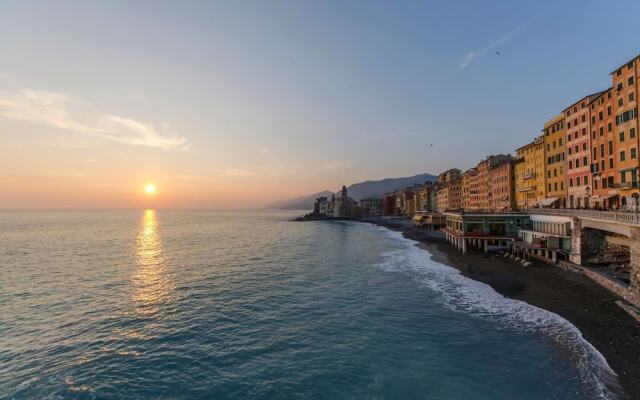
[626, 217]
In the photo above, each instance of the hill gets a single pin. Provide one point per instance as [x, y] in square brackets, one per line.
[358, 191]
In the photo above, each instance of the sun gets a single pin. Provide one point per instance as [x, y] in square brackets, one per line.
[150, 188]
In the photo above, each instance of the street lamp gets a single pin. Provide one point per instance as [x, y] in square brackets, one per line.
[587, 191]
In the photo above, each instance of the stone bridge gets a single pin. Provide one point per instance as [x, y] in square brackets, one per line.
[591, 226]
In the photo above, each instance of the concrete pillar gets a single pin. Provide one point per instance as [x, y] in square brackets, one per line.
[464, 246]
[554, 256]
[486, 247]
[634, 264]
[575, 256]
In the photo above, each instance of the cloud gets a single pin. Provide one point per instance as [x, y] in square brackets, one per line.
[67, 113]
[472, 55]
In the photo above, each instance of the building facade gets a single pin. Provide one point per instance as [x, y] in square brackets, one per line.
[602, 151]
[625, 137]
[578, 152]
[555, 158]
[529, 173]
[502, 186]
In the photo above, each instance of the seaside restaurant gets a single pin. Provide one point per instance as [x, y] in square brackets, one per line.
[548, 238]
[486, 231]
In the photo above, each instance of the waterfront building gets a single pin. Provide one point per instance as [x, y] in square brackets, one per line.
[389, 204]
[423, 196]
[431, 220]
[371, 207]
[486, 231]
[409, 201]
[344, 206]
[548, 237]
[555, 159]
[321, 206]
[470, 195]
[625, 135]
[530, 174]
[502, 185]
[603, 160]
[578, 151]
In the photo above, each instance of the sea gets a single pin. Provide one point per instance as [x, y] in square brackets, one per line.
[154, 304]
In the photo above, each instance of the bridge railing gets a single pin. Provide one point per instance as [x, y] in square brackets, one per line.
[626, 217]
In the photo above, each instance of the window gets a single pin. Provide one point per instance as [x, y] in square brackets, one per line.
[622, 156]
[568, 138]
[600, 116]
[632, 133]
[569, 150]
[560, 142]
[604, 183]
[609, 127]
[584, 118]
[623, 176]
[610, 180]
[610, 147]
[609, 111]
[632, 97]
[611, 163]
[584, 161]
[602, 150]
[549, 187]
[593, 120]
[630, 81]
[577, 162]
[555, 186]
[576, 148]
[555, 172]
[619, 87]
[584, 146]
[570, 164]
[602, 165]
[634, 153]
[595, 184]
[620, 102]
[601, 130]
[622, 136]
[570, 182]
[584, 131]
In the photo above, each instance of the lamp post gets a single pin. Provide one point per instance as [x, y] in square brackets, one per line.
[587, 191]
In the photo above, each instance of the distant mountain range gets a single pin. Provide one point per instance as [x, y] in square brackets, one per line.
[358, 191]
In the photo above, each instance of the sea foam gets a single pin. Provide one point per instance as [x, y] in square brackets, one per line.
[462, 294]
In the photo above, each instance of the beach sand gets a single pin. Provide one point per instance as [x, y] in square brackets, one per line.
[587, 305]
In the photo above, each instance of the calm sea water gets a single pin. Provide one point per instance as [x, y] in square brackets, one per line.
[212, 305]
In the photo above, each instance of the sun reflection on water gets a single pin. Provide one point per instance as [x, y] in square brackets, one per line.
[152, 283]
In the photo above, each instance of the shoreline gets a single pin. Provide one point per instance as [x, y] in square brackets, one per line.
[576, 298]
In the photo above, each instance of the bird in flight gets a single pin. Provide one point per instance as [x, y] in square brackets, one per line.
[498, 53]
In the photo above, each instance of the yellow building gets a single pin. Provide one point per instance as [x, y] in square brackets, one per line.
[556, 174]
[530, 174]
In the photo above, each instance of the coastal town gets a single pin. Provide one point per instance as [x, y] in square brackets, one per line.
[569, 197]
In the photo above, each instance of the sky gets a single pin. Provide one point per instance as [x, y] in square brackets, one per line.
[236, 104]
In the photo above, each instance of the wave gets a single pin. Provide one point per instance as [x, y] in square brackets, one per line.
[462, 294]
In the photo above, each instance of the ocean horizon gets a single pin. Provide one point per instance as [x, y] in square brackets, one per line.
[248, 305]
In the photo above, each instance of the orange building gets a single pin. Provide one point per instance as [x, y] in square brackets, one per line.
[578, 151]
[502, 184]
[602, 151]
[625, 135]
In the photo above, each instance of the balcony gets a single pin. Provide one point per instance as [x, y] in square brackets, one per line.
[625, 185]
[528, 175]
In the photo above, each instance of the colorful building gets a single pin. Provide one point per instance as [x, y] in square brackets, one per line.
[555, 159]
[625, 137]
[604, 193]
[502, 184]
[578, 151]
[529, 173]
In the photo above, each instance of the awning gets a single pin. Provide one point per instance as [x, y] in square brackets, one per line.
[602, 198]
[549, 201]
